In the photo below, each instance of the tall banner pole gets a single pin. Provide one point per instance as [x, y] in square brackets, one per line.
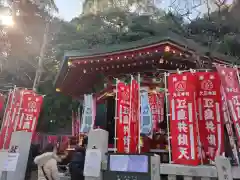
[230, 84]
[8, 118]
[83, 115]
[228, 124]
[167, 112]
[234, 148]
[139, 113]
[131, 116]
[19, 112]
[7, 104]
[116, 117]
[73, 123]
[198, 135]
[21, 118]
[4, 127]
[238, 76]
[197, 127]
[79, 121]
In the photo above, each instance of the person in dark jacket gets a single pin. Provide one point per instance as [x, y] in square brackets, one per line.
[76, 166]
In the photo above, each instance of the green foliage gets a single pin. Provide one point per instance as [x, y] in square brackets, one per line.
[220, 32]
[110, 27]
[56, 110]
[23, 43]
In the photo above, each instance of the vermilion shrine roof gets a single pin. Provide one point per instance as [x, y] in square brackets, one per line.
[82, 70]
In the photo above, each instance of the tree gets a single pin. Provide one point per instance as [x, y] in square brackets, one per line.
[20, 47]
[217, 30]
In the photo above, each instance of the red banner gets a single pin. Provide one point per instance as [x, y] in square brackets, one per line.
[134, 118]
[36, 137]
[182, 98]
[11, 117]
[2, 100]
[64, 139]
[228, 125]
[122, 117]
[156, 102]
[210, 119]
[6, 121]
[21, 114]
[52, 139]
[14, 115]
[231, 89]
[31, 107]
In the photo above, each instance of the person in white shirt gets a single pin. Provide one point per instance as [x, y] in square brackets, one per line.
[47, 163]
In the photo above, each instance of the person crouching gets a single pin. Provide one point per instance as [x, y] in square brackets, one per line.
[47, 163]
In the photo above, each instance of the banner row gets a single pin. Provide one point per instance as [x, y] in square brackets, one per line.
[21, 114]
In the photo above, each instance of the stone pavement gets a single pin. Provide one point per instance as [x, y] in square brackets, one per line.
[34, 176]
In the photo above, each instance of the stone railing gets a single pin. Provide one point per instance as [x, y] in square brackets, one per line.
[171, 171]
[193, 172]
[63, 177]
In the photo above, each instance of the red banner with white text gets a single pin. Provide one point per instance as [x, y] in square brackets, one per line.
[134, 118]
[31, 107]
[14, 115]
[182, 99]
[21, 114]
[210, 117]
[231, 89]
[229, 128]
[5, 122]
[156, 102]
[11, 117]
[122, 117]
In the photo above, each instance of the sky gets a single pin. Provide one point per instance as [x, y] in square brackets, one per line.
[69, 9]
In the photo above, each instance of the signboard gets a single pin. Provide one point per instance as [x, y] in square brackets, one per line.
[3, 159]
[93, 160]
[11, 162]
[224, 168]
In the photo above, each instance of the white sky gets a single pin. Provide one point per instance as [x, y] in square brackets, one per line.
[69, 9]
